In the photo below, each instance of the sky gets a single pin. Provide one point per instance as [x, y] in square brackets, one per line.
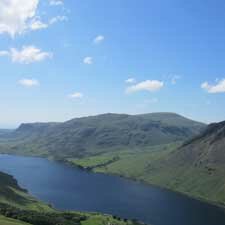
[61, 59]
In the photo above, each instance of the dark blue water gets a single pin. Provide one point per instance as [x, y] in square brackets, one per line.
[70, 188]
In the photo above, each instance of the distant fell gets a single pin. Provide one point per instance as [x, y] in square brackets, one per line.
[97, 134]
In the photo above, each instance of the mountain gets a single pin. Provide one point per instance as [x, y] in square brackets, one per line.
[196, 168]
[98, 134]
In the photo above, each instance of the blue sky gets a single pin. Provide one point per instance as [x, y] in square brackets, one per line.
[72, 58]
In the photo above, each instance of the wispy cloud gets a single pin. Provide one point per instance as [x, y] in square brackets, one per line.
[4, 53]
[37, 24]
[55, 2]
[27, 55]
[58, 19]
[130, 80]
[76, 95]
[218, 87]
[29, 82]
[148, 85]
[88, 60]
[99, 39]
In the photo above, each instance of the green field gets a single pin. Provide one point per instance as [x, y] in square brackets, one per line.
[95, 161]
[102, 220]
[126, 163]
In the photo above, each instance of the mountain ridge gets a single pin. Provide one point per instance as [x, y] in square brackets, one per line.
[96, 134]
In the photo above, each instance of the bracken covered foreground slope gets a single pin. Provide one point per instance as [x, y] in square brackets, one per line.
[98, 134]
[17, 207]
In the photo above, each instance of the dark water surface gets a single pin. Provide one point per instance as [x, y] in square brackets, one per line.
[74, 189]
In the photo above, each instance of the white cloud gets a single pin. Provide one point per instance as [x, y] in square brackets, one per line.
[55, 2]
[27, 55]
[219, 87]
[19, 16]
[130, 80]
[37, 25]
[88, 60]
[76, 95]
[15, 15]
[58, 19]
[148, 85]
[99, 39]
[29, 82]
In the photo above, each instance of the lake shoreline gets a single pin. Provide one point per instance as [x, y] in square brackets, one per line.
[72, 165]
[140, 181]
[70, 188]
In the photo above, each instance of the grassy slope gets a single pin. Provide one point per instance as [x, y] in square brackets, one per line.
[8, 221]
[197, 168]
[12, 194]
[195, 182]
[126, 163]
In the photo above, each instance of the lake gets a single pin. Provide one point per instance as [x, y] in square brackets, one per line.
[70, 188]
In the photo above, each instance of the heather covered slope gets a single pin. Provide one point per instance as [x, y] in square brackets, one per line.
[99, 134]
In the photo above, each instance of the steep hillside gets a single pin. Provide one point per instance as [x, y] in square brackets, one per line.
[99, 134]
[197, 167]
